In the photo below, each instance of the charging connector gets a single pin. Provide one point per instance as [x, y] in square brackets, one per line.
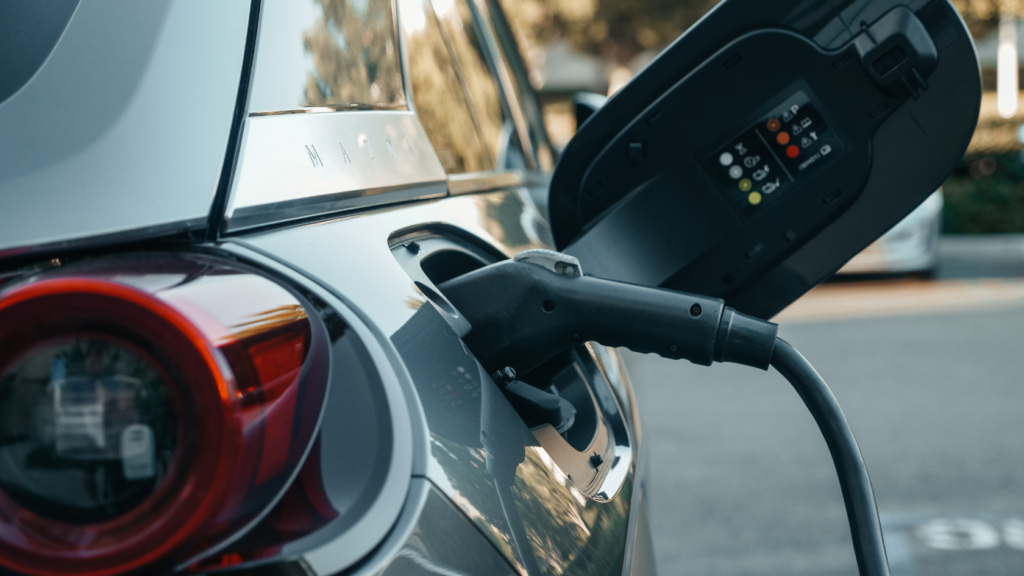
[525, 311]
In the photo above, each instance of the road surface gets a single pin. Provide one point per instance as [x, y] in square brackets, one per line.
[741, 483]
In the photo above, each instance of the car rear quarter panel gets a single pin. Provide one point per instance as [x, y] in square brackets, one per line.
[123, 130]
[568, 533]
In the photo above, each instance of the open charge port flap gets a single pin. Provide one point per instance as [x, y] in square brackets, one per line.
[593, 446]
[700, 176]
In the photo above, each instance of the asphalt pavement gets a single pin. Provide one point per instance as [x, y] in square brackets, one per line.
[741, 483]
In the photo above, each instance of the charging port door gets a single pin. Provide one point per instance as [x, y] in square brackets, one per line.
[767, 146]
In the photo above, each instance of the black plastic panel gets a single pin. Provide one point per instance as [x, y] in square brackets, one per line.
[735, 155]
[758, 167]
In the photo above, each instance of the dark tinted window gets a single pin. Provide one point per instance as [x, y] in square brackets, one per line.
[525, 93]
[439, 94]
[481, 82]
[338, 54]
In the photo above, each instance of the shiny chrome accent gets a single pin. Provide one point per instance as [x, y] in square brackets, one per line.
[403, 55]
[302, 165]
[599, 471]
[472, 182]
[331, 108]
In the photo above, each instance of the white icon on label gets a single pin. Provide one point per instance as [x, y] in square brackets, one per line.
[796, 129]
[825, 149]
[725, 159]
[814, 135]
[137, 454]
[769, 187]
[761, 174]
[787, 116]
[741, 149]
[751, 161]
[735, 172]
[806, 142]
[806, 122]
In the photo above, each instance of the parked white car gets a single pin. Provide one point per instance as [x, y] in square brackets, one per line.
[910, 247]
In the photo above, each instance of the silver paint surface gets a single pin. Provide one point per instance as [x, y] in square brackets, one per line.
[563, 530]
[444, 543]
[125, 127]
[360, 526]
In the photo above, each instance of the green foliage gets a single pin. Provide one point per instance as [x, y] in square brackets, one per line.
[616, 30]
[985, 195]
[982, 16]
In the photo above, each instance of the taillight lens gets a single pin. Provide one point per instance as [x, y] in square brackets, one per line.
[88, 429]
[150, 408]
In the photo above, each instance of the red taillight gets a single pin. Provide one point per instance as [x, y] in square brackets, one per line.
[182, 395]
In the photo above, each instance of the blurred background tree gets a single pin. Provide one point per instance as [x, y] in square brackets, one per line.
[982, 16]
[619, 30]
[616, 31]
[592, 45]
[354, 58]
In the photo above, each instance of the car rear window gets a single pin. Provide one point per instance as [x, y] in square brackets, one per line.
[314, 55]
[481, 85]
[440, 94]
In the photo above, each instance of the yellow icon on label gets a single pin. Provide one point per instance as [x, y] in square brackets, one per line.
[746, 184]
[754, 198]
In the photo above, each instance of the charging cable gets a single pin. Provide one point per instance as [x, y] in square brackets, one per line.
[853, 473]
[527, 310]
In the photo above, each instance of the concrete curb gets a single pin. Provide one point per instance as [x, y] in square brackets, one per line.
[982, 246]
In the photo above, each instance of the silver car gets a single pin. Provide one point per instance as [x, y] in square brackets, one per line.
[222, 231]
[231, 233]
[911, 246]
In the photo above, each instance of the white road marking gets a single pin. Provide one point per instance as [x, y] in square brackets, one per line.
[1013, 533]
[899, 552]
[945, 534]
[958, 534]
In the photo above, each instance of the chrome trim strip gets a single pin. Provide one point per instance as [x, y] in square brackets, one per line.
[301, 165]
[330, 108]
[131, 235]
[403, 54]
[474, 182]
[299, 208]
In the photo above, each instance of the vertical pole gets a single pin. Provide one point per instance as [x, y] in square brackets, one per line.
[1007, 65]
